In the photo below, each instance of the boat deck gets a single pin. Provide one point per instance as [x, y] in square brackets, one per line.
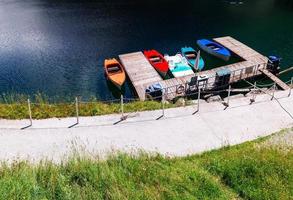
[142, 74]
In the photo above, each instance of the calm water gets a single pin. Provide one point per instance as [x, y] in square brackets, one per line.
[58, 47]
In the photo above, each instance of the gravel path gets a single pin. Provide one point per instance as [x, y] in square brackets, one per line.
[179, 133]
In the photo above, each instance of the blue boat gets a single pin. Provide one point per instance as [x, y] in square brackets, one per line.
[214, 48]
[190, 54]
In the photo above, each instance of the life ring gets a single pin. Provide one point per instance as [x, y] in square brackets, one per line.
[180, 89]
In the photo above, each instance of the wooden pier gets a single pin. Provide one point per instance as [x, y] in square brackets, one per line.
[139, 71]
[278, 81]
[142, 74]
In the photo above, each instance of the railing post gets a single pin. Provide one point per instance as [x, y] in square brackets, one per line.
[229, 92]
[291, 85]
[198, 98]
[252, 100]
[76, 110]
[122, 106]
[30, 111]
[273, 96]
[163, 105]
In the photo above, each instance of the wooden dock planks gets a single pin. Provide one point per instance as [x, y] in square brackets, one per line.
[142, 74]
[139, 71]
[278, 81]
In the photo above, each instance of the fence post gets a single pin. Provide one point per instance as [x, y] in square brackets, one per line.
[229, 92]
[163, 105]
[122, 106]
[198, 98]
[273, 96]
[76, 110]
[30, 111]
[253, 95]
[291, 85]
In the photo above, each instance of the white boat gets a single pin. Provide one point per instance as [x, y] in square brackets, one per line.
[178, 65]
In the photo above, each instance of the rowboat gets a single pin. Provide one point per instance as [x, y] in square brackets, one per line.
[178, 65]
[190, 54]
[114, 72]
[214, 48]
[157, 61]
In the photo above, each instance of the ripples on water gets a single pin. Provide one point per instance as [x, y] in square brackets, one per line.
[58, 47]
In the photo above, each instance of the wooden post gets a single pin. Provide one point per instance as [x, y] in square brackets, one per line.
[76, 110]
[291, 85]
[229, 92]
[273, 96]
[30, 111]
[122, 106]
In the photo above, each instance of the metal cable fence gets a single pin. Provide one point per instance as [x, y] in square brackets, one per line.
[130, 107]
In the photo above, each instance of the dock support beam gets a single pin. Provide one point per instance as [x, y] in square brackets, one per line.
[30, 112]
[77, 110]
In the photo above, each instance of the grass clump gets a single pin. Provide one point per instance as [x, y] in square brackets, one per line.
[119, 177]
[253, 170]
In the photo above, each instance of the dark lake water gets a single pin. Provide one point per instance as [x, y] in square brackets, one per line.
[58, 47]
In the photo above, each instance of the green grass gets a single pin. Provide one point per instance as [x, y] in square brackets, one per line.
[15, 106]
[248, 171]
[44, 110]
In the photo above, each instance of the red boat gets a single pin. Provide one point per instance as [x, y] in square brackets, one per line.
[157, 61]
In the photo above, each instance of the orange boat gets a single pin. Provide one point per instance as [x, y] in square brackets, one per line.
[115, 72]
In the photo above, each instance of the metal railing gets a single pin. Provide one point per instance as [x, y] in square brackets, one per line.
[197, 92]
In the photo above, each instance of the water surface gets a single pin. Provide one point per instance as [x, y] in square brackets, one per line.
[58, 47]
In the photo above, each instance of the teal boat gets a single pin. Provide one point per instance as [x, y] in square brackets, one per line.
[178, 65]
[190, 54]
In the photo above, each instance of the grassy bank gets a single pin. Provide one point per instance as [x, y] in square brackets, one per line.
[43, 110]
[249, 171]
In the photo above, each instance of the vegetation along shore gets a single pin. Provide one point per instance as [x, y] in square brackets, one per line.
[254, 170]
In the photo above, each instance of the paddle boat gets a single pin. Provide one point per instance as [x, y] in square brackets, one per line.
[157, 61]
[190, 54]
[214, 49]
[114, 72]
[178, 65]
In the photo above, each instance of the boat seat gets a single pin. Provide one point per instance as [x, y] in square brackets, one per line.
[114, 69]
[156, 59]
[190, 55]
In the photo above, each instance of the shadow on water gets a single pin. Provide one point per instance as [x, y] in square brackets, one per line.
[115, 91]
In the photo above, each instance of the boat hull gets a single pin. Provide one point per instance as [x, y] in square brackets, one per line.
[191, 62]
[162, 66]
[117, 78]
